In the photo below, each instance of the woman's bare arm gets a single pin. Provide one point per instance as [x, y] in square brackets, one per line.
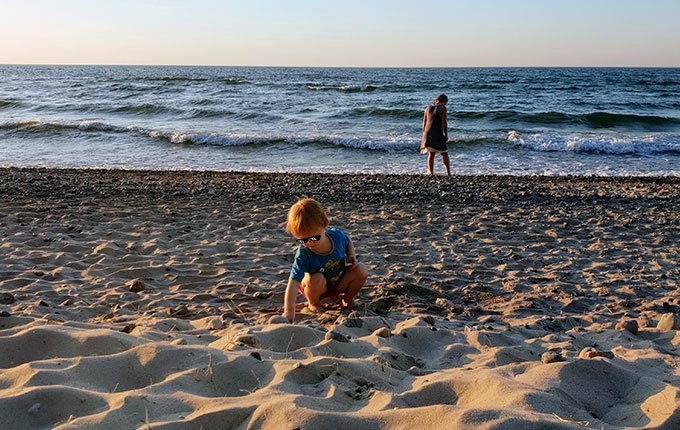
[445, 126]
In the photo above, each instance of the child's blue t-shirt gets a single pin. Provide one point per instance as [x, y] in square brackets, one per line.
[331, 265]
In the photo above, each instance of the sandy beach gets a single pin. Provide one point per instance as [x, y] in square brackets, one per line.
[141, 300]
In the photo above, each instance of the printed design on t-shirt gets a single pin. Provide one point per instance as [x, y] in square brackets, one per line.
[333, 266]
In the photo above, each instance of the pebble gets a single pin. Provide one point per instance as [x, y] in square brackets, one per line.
[135, 285]
[336, 336]
[5, 314]
[417, 371]
[7, 299]
[443, 302]
[590, 352]
[550, 357]
[667, 323]
[34, 409]
[180, 311]
[215, 324]
[247, 339]
[383, 332]
[278, 319]
[630, 325]
[256, 355]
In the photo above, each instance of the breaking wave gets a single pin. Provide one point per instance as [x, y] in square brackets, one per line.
[643, 145]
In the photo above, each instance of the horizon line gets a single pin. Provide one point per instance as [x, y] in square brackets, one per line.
[345, 67]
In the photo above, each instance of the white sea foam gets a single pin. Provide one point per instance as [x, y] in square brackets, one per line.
[18, 123]
[397, 144]
[47, 125]
[100, 126]
[603, 144]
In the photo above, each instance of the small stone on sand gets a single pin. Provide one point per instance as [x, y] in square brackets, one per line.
[278, 319]
[443, 302]
[383, 332]
[630, 325]
[135, 286]
[417, 371]
[7, 299]
[590, 352]
[34, 409]
[336, 336]
[247, 339]
[667, 323]
[550, 357]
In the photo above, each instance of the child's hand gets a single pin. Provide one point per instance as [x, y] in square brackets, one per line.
[351, 262]
[289, 315]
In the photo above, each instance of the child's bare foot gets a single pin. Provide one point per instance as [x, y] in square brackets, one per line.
[315, 308]
[348, 303]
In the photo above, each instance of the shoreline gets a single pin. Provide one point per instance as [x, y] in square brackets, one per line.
[284, 185]
[143, 297]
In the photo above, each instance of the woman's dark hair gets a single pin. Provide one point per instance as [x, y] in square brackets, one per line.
[442, 98]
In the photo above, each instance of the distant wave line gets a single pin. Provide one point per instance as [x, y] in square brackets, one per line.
[343, 88]
[226, 81]
[591, 120]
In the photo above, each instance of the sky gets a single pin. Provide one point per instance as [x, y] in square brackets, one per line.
[342, 33]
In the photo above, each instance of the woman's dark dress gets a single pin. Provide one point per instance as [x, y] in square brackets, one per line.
[433, 134]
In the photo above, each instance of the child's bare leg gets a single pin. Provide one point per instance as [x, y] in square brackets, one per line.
[314, 286]
[352, 283]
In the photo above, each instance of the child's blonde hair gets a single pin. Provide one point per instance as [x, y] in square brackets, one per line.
[306, 215]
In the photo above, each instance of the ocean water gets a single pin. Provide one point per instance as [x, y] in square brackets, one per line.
[518, 121]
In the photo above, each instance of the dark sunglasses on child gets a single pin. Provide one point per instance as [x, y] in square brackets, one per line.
[313, 239]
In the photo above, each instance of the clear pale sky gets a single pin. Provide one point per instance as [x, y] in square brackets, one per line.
[416, 33]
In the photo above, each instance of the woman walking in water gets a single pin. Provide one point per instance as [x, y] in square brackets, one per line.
[435, 134]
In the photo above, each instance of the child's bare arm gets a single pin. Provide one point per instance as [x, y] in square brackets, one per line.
[290, 299]
[350, 255]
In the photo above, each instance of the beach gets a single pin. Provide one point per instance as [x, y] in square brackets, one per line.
[142, 299]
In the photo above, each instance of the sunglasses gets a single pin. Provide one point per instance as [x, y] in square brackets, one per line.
[313, 239]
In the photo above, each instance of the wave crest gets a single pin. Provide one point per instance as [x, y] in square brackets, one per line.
[593, 120]
[383, 112]
[374, 144]
[9, 104]
[343, 88]
[646, 145]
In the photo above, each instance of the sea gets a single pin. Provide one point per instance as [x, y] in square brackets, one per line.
[502, 121]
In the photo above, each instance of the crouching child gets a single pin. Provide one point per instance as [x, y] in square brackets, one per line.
[325, 262]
